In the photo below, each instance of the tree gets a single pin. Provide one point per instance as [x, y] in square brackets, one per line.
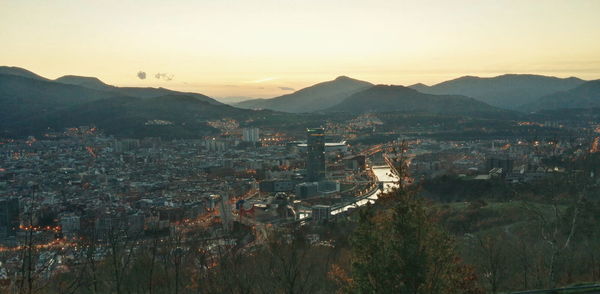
[402, 250]
[490, 253]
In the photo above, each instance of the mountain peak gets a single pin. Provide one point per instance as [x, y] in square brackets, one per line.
[506, 91]
[313, 98]
[75, 77]
[342, 78]
[88, 82]
[584, 96]
[386, 98]
[468, 77]
[418, 85]
[18, 71]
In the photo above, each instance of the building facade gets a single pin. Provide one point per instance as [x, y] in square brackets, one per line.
[315, 160]
[251, 135]
[9, 217]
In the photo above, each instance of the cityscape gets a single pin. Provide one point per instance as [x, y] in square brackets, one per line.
[300, 147]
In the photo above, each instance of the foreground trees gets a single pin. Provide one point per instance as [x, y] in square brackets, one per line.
[402, 250]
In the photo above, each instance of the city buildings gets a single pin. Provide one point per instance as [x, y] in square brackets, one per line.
[92, 187]
[251, 135]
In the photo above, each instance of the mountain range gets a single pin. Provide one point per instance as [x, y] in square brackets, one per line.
[390, 98]
[585, 96]
[96, 84]
[509, 91]
[21, 72]
[32, 104]
[22, 97]
[519, 92]
[175, 116]
[314, 98]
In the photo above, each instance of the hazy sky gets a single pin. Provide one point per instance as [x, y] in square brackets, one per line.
[264, 48]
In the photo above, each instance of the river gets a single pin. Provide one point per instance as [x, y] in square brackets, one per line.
[383, 174]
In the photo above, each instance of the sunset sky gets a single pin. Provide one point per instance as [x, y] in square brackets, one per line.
[265, 48]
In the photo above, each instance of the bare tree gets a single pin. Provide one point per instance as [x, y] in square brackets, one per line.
[556, 231]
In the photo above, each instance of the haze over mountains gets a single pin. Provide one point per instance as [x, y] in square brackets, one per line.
[17, 71]
[95, 83]
[168, 116]
[314, 98]
[233, 100]
[509, 91]
[30, 104]
[384, 98]
[22, 97]
[585, 96]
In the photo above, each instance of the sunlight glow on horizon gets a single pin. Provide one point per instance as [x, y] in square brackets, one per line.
[258, 48]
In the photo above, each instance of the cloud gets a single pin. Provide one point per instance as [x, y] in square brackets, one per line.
[164, 76]
[286, 89]
[260, 80]
[141, 75]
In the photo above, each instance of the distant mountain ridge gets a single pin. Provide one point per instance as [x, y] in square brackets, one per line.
[96, 84]
[31, 104]
[22, 97]
[180, 116]
[386, 98]
[314, 98]
[509, 91]
[233, 100]
[21, 72]
[87, 82]
[147, 92]
[585, 96]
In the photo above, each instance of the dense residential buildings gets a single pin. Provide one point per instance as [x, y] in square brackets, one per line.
[251, 135]
[83, 185]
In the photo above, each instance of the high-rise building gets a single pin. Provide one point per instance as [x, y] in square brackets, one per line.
[9, 217]
[315, 160]
[250, 135]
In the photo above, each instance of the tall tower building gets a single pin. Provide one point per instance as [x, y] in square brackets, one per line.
[9, 217]
[315, 161]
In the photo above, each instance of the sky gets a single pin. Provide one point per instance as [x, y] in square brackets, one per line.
[266, 48]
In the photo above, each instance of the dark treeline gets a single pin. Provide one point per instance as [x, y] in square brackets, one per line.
[394, 245]
[541, 234]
